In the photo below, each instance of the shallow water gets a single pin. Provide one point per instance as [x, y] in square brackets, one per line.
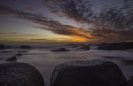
[45, 60]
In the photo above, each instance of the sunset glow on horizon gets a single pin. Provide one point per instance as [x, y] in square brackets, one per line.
[66, 21]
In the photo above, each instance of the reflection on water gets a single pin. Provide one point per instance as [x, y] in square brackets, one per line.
[45, 60]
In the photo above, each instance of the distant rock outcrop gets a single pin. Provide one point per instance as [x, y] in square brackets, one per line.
[60, 50]
[127, 62]
[130, 81]
[75, 45]
[20, 74]
[116, 46]
[13, 58]
[88, 73]
[2, 46]
[84, 47]
[18, 54]
[25, 47]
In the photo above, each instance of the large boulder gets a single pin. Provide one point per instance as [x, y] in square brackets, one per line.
[13, 58]
[130, 81]
[88, 73]
[20, 74]
[76, 45]
[60, 50]
[2, 46]
[25, 47]
[116, 46]
[127, 62]
[84, 47]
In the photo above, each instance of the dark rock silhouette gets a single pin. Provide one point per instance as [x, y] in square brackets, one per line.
[116, 46]
[20, 74]
[127, 62]
[9, 47]
[113, 57]
[13, 58]
[60, 50]
[84, 47]
[2, 46]
[21, 51]
[130, 81]
[25, 47]
[76, 45]
[71, 44]
[88, 73]
[7, 51]
[18, 54]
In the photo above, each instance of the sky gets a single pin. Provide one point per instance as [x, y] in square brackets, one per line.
[66, 20]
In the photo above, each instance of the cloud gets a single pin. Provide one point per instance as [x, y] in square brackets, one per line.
[100, 31]
[15, 34]
[41, 40]
[105, 34]
[50, 25]
[79, 10]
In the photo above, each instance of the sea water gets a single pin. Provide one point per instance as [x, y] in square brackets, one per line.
[41, 56]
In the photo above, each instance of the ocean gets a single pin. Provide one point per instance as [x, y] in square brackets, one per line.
[41, 56]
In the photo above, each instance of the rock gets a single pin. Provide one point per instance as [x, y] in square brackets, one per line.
[2, 46]
[9, 47]
[127, 62]
[84, 47]
[25, 47]
[14, 58]
[88, 73]
[60, 50]
[76, 45]
[130, 81]
[21, 51]
[18, 54]
[7, 51]
[113, 57]
[20, 74]
[116, 46]
[71, 44]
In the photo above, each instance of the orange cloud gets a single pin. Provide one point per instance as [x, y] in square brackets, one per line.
[99, 33]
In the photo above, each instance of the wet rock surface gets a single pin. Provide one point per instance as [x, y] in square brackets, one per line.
[18, 54]
[2, 46]
[127, 62]
[20, 74]
[76, 45]
[13, 58]
[130, 81]
[112, 57]
[60, 50]
[25, 47]
[116, 46]
[88, 73]
[84, 47]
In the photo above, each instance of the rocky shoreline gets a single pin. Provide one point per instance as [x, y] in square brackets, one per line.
[116, 46]
[20, 74]
[79, 73]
